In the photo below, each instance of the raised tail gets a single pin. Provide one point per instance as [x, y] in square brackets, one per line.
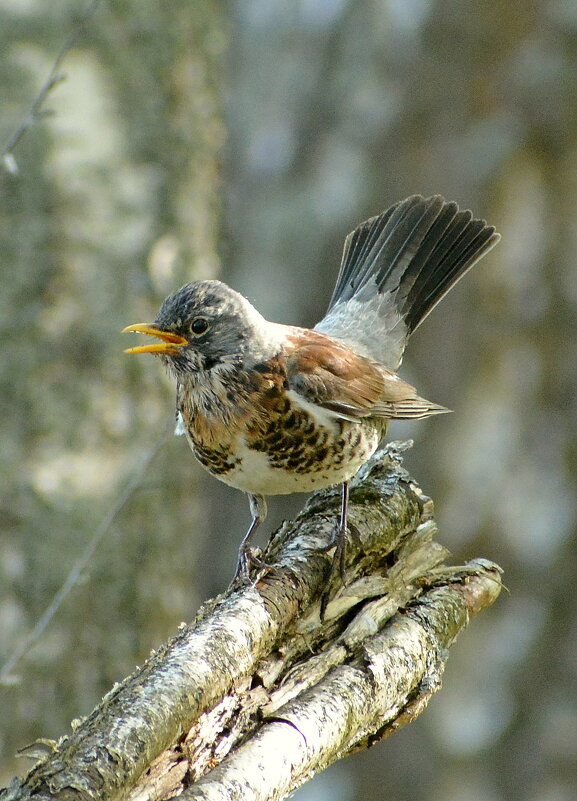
[395, 269]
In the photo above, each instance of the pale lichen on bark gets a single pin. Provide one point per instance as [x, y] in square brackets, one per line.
[259, 693]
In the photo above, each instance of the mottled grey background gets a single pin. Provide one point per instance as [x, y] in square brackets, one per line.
[244, 140]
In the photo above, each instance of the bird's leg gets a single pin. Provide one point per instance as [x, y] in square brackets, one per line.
[341, 536]
[258, 511]
[340, 540]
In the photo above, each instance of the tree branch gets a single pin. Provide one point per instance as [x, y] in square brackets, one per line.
[36, 112]
[260, 673]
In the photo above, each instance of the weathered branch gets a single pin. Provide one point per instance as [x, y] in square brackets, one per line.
[258, 679]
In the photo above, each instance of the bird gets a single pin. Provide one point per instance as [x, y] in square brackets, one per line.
[274, 409]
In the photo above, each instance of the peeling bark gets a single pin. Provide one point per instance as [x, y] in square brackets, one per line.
[259, 693]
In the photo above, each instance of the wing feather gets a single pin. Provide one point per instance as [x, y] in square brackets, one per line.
[350, 387]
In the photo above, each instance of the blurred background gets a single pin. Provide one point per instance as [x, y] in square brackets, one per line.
[244, 140]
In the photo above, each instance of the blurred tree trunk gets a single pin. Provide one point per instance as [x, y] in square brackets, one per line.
[360, 104]
[116, 201]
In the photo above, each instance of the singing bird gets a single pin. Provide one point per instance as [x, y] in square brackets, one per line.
[272, 409]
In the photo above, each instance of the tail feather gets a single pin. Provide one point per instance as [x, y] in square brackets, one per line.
[447, 264]
[395, 269]
[374, 246]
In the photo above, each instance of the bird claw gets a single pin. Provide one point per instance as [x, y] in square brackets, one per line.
[338, 564]
[247, 559]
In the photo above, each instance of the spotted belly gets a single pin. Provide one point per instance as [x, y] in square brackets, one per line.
[281, 464]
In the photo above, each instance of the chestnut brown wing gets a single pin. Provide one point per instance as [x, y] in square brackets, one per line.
[333, 377]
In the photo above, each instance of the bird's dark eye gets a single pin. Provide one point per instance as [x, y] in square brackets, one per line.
[198, 326]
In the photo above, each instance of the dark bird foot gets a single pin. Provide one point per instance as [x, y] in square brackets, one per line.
[247, 559]
[338, 564]
[246, 556]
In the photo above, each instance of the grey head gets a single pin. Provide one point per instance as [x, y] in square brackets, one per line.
[221, 328]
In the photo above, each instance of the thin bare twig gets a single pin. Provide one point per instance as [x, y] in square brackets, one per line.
[36, 111]
[76, 571]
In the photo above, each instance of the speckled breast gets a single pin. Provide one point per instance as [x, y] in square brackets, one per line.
[287, 451]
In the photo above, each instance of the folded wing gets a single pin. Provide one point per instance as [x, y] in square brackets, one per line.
[334, 378]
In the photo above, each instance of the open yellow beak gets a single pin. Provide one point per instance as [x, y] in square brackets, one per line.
[170, 342]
